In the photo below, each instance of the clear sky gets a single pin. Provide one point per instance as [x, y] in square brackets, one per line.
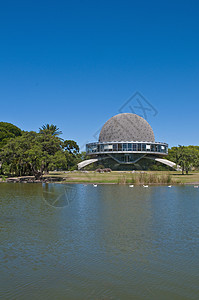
[75, 63]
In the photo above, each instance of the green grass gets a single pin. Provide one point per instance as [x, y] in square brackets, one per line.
[137, 178]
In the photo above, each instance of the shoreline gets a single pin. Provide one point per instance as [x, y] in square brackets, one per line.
[100, 183]
[104, 183]
[136, 178]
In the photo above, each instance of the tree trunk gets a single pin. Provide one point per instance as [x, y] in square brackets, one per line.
[38, 175]
[1, 171]
[46, 171]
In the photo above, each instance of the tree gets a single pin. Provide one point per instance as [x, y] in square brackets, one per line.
[32, 154]
[58, 161]
[50, 129]
[7, 131]
[50, 144]
[71, 150]
[185, 156]
[22, 155]
[82, 156]
[71, 146]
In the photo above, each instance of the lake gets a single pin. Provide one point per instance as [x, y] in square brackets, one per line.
[106, 242]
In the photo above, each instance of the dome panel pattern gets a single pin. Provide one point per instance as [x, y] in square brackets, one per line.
[126, 127]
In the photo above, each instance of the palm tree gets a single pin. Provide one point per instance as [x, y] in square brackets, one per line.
[50, 129]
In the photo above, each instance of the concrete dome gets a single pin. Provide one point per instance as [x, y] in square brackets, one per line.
[126, 127]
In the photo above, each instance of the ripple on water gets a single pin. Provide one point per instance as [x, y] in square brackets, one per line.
[109, 243]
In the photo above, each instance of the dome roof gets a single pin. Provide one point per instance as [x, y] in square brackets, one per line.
[126, 127]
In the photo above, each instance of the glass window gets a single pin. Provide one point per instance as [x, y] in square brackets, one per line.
[143, 147]
[102, 148]
[106, 147]
[94, 148]
[119, 147]
[114, 147]
[134, 147]
[124, 148]
[110, 147]
[91, 148]
[129, 147]
[139, 147]
[163, 149]
[148, 147]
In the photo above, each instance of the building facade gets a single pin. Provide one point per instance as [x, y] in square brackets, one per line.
[126, 139]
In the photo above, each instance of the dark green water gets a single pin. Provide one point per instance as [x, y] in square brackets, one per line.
[108, 242]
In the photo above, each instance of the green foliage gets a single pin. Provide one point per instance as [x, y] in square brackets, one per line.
[32, 153]
[71, 146]
[71, 152]
[10, 128]
[185, 156]
[58, 161]
[3, 178]
[50, 130]
[7, 131]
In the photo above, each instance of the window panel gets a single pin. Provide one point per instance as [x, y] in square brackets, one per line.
[129, 147]
[124, 147]
[134, 147]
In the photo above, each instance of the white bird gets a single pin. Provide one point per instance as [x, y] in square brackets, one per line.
[131, 185]
[95, 185]
[145, 185]
[196, 186]
[169, 186]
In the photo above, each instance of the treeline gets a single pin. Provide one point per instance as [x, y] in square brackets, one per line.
[187, 157]
[30, 153]
[35, 153]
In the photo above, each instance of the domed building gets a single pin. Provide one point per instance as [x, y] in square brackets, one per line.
[126, 141]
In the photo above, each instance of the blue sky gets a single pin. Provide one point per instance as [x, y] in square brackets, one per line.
[75, 63]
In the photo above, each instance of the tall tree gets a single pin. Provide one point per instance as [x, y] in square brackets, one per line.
[71, 146]
[32, 154]
[7, 131]
[50, 129]
[185, 156]
[71, 152]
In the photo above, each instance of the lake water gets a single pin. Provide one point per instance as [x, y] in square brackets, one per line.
[104, 242]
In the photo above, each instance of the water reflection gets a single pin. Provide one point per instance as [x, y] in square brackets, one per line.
[58, 196]
[110, 242]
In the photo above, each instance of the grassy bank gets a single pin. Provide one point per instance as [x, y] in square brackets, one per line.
[137, 178]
